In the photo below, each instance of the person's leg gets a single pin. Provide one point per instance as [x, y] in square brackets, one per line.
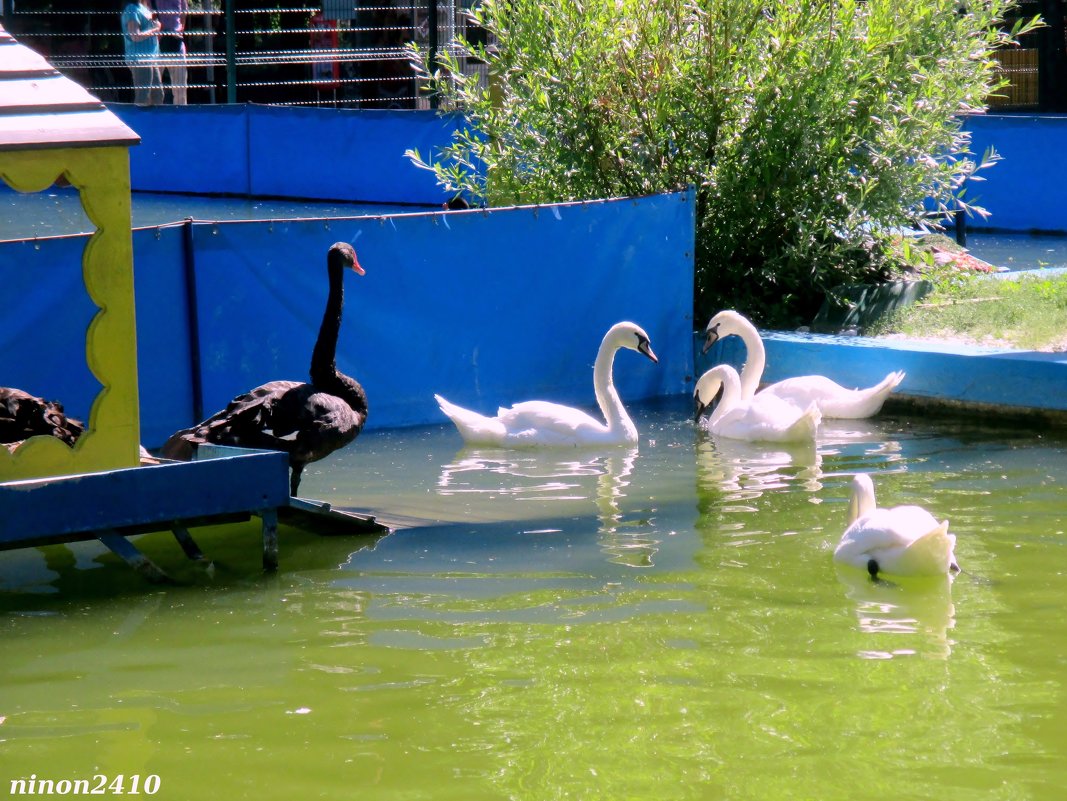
[173, 52]
[155, 86]
[178, 76]
[142, 81]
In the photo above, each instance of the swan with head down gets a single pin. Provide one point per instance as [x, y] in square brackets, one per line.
[899, 541]
[834, 400]
[544, 424]
[764, 418]
[23, 415]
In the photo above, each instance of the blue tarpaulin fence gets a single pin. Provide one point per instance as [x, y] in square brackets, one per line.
[359, 155]
[265, 151]
[485, 307]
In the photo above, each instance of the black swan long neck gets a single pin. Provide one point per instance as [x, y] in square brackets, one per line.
[324, 372]
[324, 355]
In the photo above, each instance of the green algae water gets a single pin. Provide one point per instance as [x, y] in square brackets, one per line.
[665, 623]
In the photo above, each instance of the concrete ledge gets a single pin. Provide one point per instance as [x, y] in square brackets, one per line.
[940, 376]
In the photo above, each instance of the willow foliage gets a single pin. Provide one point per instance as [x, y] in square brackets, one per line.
[810, 128]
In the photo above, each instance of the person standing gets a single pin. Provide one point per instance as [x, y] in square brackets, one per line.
[171, 15]
[140, 36]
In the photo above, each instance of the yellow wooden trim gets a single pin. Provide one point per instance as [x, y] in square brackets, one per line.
[102, 176]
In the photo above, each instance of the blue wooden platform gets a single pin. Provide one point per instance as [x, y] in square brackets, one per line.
[222, 485]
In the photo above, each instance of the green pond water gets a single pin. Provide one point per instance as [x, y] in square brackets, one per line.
[660, 624]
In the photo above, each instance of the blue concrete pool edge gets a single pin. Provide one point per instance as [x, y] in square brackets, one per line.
[940, 376]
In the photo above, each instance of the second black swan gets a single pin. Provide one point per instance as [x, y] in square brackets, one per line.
[23, 415]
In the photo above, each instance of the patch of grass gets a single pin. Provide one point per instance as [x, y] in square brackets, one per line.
[1029, 312]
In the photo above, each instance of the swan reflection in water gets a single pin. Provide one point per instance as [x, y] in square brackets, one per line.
[566, 484]
[906, 617]
[745, 470]
[867, 438]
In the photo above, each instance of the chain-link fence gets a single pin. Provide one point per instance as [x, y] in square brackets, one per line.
[327, 53]
[346, 53]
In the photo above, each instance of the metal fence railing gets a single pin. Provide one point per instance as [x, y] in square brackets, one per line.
[315, 53]
[349, 53]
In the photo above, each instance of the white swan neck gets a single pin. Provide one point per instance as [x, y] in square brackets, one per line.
[607, 397]
[755, 360]
[731, 394]
[862, 502]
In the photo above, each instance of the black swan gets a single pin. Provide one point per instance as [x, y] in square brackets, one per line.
[307, 421]
[23, 416]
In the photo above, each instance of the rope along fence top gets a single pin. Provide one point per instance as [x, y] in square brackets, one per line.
[290, 55]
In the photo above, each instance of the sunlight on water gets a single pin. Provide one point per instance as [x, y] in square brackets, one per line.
[659, 623]
[1019, 251]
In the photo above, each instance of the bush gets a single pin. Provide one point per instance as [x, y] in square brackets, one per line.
[810, 128]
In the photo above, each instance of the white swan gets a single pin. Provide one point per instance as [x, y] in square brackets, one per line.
[764, 418]
[901, 541]
[544, 424]
[834, 400]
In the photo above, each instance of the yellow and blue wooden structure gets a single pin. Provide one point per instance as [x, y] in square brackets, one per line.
[52, 131]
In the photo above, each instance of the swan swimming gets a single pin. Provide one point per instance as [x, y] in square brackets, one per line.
[901, 541]
[544, 424]
[834, 400]
[764, 418]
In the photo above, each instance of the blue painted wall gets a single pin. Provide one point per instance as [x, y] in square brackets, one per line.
[45, 315]
[485, 307]
[1027, 190]
[267, 151]
[358, 155]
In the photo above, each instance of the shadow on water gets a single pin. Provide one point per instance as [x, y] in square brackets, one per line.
[55, 576]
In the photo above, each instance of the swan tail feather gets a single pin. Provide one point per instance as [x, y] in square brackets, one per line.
[891, 381]
[880, 391]
[931, 554]
[814, 414]
[806, 427]
[475, 428]
[865, 402]
[886, 385]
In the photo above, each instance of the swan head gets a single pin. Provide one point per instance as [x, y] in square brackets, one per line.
[724, 324]
[343, 255]
[707, 389]
[632, 336]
